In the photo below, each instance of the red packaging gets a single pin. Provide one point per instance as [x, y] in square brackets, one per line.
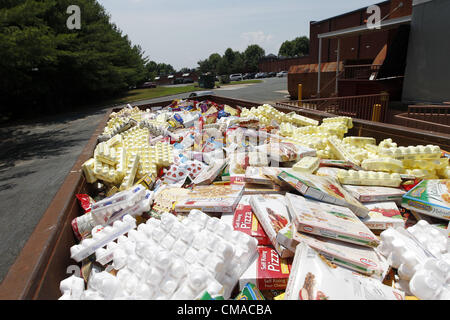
[85, 202]
[244, 220]
[407, 186]
[268, 272]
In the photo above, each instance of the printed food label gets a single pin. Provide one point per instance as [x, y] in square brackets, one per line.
[368, 262]
[272, 271]
[245, 221]
[430, 197]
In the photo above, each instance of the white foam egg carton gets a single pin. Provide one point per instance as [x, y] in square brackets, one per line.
[71, 288]
[347, 121]
[105, 172]
[102, 210]
[101, 238]
[431, 238]
[412, 152]
[340, 152]
[116, 129]
[383, 164]
[106, 154]
[169, 259]
[104, 255]
[130, 175]
[369, 178]
[155, 128]
[420, 255]
[135, 210]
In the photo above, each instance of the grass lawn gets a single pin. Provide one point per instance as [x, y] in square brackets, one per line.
[151, 93]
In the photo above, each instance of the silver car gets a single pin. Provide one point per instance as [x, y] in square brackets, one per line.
[236, 77]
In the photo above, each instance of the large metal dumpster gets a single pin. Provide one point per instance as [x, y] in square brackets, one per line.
[43, 262]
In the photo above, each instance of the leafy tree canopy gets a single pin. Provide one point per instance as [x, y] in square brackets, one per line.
[45, 65]
[295, 48]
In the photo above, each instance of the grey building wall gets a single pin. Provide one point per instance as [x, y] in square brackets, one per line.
[427, 76]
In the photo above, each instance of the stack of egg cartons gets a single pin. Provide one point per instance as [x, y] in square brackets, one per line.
[421, 256]
[169, 259]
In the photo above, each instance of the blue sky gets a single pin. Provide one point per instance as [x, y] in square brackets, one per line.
[182, 32]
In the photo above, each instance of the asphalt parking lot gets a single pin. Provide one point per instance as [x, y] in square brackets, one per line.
[269, 91]
[36, 157]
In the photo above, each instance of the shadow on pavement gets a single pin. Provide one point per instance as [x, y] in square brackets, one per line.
[7, 186]
[22, 145]
[59, 118]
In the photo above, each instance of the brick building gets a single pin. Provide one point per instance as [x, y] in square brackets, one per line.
[360, 52]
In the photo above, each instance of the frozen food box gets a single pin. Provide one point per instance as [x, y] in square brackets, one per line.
[383, 215]
[165, 198]
[329, 221]
[273, 214]
[324, 189]
[255, 175]
[375, 194]
[243, 219]
[284, 151]
[430, 197]
[237, 179]
[272, 173]
[327, 172]
[252, 189]
[342, 164]
[315, 278]
[268, 272]
[212, 198]
[210, 174]
[357, 258]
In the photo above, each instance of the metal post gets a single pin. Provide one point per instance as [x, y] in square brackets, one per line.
[300, 95]
[337, 64]
[320, 67]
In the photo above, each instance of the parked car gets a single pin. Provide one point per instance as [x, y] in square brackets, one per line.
[201, 94]
[249, 76]
[146, 85]
[178, 81]
[236, 77]
[272, 74]
[188, 80]
[261, 75]
[282, 74]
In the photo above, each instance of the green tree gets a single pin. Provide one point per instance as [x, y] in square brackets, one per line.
[233, 61]
[44, 65]
[286, 49]
[252, 55]
[151, 70]
[204, 66]
[214, 60]
[238, 65]
[165, 69]
[295, 48]
[229, 56]
[185, 70]
[223, 67]
[211, 64]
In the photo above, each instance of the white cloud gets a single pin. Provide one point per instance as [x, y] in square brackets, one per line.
[256, 37]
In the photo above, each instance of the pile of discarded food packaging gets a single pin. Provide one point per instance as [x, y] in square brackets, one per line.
[200, 201]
